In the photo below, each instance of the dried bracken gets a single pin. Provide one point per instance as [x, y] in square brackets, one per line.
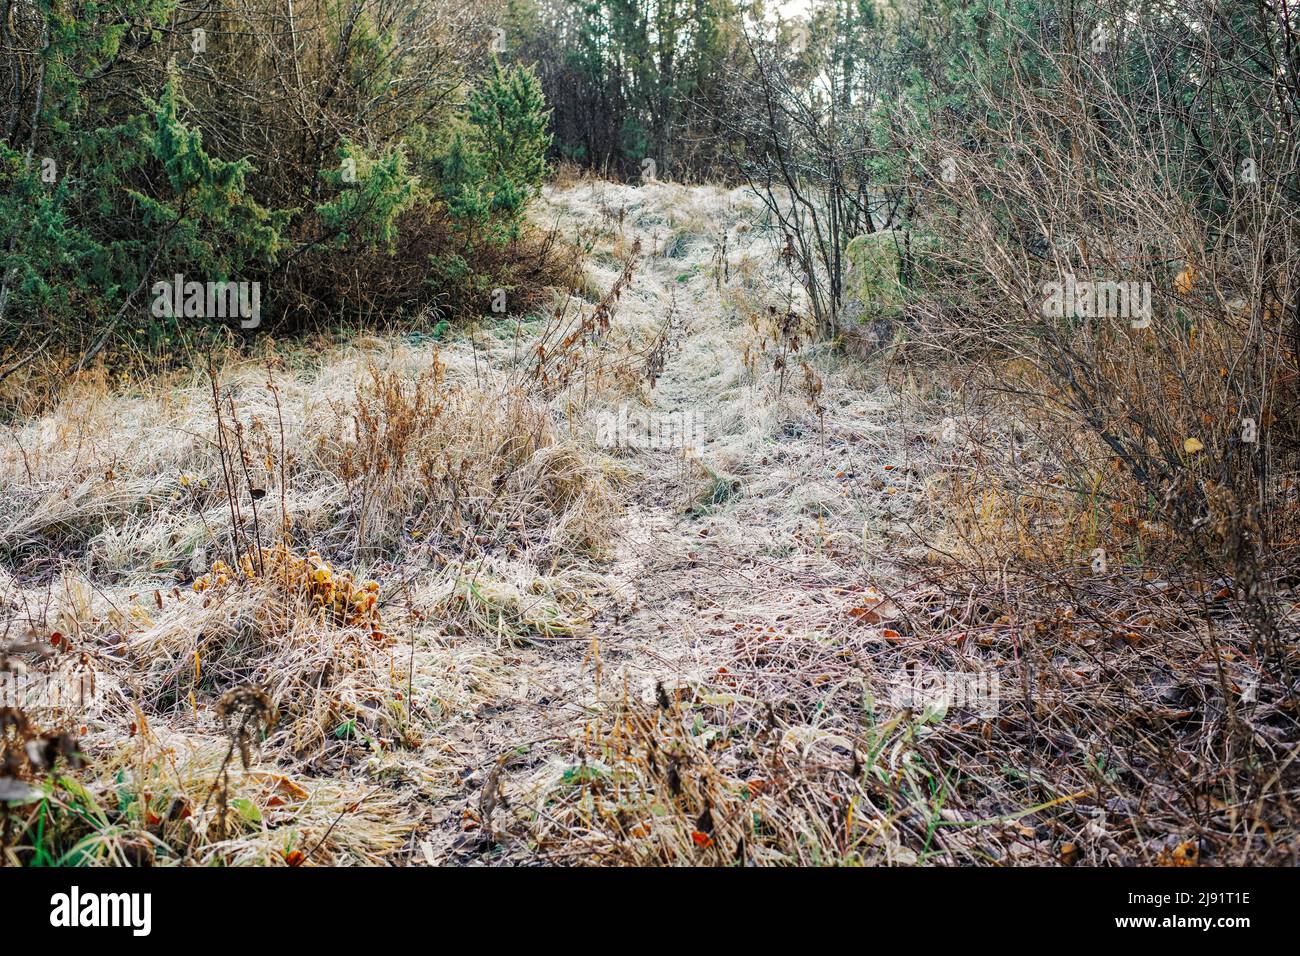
[334, 595]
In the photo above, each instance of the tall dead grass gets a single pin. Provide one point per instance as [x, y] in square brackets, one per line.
[260, 533]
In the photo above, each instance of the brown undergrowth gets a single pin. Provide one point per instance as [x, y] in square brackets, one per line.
[267, 569]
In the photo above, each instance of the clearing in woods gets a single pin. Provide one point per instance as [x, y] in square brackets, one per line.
[624, 610]
[752, 505]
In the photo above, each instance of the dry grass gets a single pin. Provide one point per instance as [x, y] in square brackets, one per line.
[727, 653]
[1133, 712]
[302, 532]
[1136, 719]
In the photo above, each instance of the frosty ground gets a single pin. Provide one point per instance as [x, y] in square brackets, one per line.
[587, 646]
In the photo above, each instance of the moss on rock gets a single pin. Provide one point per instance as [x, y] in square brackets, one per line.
[872, 282]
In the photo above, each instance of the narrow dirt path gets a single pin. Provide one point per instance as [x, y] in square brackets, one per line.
[747, 510]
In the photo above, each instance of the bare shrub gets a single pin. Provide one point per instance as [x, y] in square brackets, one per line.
[1124, 276]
